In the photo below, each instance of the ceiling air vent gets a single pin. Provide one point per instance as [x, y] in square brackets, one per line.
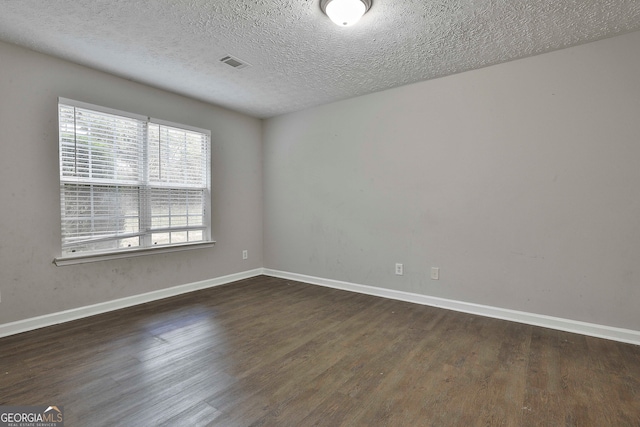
[234, 62]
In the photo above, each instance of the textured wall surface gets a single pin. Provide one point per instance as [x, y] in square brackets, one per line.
[299, 57]
[31, 285]
[520, 181]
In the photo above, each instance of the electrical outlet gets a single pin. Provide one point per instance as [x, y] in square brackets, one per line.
[399, 269]
[245, 254]
[435, 273]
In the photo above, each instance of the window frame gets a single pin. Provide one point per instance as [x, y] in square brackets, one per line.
[91, 256]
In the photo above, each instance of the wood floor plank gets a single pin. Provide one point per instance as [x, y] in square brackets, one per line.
[274, 352]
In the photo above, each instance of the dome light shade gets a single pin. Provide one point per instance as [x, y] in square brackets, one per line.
[345, 12]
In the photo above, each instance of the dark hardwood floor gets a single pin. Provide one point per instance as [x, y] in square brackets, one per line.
[267, 351]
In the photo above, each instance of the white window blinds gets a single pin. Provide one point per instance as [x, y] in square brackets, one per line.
[128, 182]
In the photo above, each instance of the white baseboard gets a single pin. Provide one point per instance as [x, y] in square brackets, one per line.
[103, 307]
[584, 328]
[578, 327]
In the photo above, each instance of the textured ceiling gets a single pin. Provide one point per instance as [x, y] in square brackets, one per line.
[299, 57]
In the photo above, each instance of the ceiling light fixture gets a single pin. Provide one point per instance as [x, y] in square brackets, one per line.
[345, 12]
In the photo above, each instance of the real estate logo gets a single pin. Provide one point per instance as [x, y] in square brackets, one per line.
[31, 416]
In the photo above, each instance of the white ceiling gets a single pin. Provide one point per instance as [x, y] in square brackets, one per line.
[299, 57]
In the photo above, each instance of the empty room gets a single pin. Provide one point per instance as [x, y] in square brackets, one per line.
[320, 212]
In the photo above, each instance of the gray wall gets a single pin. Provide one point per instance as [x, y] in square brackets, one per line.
[520, 181]
[30, 284]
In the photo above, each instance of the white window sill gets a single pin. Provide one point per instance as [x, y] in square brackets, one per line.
[82, 259]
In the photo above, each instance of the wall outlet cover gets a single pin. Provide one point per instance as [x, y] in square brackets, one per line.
[399, 269]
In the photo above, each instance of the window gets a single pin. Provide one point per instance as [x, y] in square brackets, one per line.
[128, 182]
